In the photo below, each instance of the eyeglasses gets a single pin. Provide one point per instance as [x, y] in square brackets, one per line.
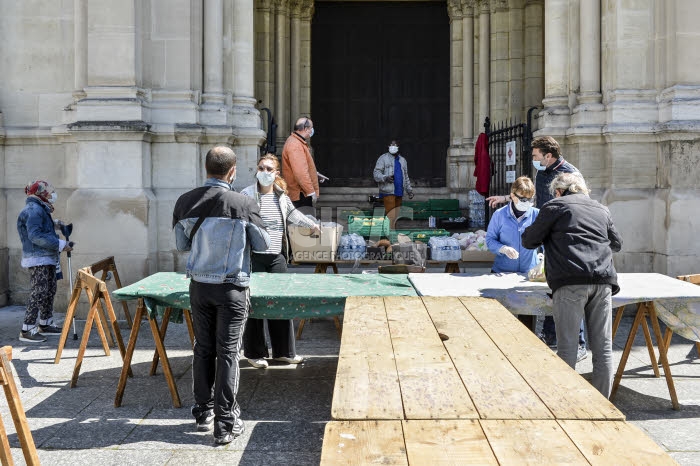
[266, 169]
[523, 198]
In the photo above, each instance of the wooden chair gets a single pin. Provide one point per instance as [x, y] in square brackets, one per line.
[7, 381]
[695, 280]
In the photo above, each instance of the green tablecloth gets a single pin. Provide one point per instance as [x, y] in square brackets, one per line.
[275, 296]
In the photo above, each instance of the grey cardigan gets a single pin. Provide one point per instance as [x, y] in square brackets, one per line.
[385, 169]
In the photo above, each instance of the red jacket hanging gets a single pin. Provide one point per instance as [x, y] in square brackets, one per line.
[482, 165]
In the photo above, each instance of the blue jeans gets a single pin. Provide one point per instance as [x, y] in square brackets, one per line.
[594, 304]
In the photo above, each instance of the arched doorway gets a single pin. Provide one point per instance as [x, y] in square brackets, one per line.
[380, 70]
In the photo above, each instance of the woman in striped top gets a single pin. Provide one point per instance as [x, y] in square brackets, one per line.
[276, 210]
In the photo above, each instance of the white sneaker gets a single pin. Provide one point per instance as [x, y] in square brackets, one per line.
[259, 363]
[295, 360]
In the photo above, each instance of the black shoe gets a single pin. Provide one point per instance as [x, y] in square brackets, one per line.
[31, 336]
[205, 421]
[50, 330]
[550, 341]
[228, 437]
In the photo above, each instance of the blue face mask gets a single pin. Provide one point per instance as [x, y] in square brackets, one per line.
[538, 166]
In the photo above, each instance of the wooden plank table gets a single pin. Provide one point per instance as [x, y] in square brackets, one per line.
[448, 380]
[489, 367]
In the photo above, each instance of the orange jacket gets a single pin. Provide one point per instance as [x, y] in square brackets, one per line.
[298, 168]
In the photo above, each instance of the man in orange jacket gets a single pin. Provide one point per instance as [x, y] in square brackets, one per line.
[298, 168]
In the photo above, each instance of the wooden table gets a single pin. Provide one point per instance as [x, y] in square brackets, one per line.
[459, 380]
[657, 296]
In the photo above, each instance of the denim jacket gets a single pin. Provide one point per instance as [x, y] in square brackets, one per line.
[40, 243]
[220, 250]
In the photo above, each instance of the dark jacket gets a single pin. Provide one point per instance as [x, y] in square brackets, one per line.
[579, 238]
[545, 177]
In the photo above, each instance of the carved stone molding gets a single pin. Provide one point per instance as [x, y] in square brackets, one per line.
[454, 9]
[263, 5]
[307, 9]
[468, 7]
[281, 6]
[499, 5]
[295, 7]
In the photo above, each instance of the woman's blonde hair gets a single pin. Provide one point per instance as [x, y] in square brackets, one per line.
[279, 181]
[523, 185]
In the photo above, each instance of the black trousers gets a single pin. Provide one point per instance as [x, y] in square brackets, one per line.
[219, 312]
[281, 330]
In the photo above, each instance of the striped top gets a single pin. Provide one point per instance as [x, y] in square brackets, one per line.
[272, 218]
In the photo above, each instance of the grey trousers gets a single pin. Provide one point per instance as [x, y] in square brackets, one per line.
[593, 303]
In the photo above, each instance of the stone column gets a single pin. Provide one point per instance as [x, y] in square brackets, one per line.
[555, 116]
[467, 71]
[307, 12]
[534, 54]
[590, 55]
[245, 118]
[213, 98]
[80, 48]
[455, 13]
[263, 64]
[295, 58]
[484, 60]
[282, 49]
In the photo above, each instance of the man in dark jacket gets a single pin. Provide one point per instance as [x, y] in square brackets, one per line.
[548, 161]
[579, 238]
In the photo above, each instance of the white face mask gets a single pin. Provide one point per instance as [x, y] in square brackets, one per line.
[538, 165]
[393, 149]
[523, 206]
[266, 178]
[312, 133]
[53, 198]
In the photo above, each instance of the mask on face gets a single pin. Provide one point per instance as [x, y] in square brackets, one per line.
[523, 206]
[538, 165]
[53, 198]
[266, 178]
[393, 149]
[231, 181]
[312, 133]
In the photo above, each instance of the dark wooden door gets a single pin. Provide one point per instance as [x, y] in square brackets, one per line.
[380, 71]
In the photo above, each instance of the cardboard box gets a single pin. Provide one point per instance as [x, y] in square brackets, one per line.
[314, 248]
[477, 256]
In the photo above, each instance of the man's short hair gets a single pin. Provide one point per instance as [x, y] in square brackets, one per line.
[302, 123]
[572, 182]
[548, 145]
[220, 160]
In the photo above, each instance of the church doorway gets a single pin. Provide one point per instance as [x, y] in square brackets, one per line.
[380, 71]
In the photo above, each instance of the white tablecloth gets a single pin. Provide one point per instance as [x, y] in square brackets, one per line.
[677, 302]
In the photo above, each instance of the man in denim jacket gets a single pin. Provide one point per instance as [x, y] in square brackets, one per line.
[219, 268]
[40, 254]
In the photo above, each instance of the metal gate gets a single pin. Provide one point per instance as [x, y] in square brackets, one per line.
[510, 154]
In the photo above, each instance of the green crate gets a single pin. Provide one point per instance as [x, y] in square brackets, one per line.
[368, 226]
[417, 235]
[444, 204]
[416, 205]
[415, 214]
[343, 214]
[446, 213]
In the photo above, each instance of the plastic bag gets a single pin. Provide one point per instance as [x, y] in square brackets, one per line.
[536, 274]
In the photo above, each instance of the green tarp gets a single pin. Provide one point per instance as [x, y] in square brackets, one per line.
[275, 296]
